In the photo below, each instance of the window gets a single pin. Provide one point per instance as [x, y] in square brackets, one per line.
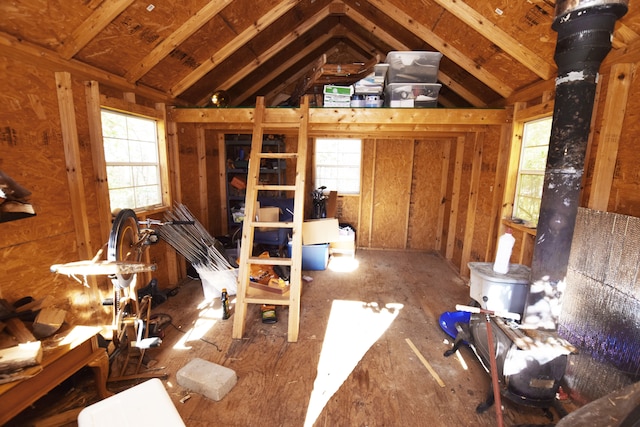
[533, 161]
[338, 165]
[132, 159]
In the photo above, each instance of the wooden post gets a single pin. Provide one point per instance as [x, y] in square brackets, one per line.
[607, 152]
[92, 95]
[445, 158]
[222, 181]
[455, 198]
[201, 151]
[73, 164]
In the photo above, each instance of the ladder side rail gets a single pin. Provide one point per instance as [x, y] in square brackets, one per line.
[251, 196]
[298, 217]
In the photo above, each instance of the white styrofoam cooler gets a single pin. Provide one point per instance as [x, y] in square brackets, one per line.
[146, 404]
[500, 292]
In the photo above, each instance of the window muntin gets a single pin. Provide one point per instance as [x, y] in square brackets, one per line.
[337, 164]
[533, 161]
[132, 160]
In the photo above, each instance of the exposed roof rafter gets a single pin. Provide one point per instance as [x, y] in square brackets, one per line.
[185, 31]
[243, 38]
[498, 37]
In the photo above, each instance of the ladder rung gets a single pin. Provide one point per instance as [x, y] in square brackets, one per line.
[271, 224]
[278, 155]
[262, 187]
[273, 300]
[269, 261]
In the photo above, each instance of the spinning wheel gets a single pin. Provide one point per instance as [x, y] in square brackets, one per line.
[130, 316]
[124, 245]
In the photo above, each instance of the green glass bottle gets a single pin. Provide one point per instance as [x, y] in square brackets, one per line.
[225, 304]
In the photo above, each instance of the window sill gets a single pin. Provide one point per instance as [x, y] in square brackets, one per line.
[520, 227]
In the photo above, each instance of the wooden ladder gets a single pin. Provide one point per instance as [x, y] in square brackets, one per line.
[247, 294]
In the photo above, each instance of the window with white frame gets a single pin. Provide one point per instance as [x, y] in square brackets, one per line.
[337, 165]
[132, 160]
[533, 162]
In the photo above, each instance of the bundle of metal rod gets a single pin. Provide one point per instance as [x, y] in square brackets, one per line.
[198, 247]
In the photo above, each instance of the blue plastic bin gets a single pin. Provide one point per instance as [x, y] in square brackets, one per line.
[314, 257]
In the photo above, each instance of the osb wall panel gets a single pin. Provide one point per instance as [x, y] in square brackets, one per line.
[425, 195]
[348, 211]
[483, 215]
[32, 153]
[391, 188]
[189, 173]
[465, 186]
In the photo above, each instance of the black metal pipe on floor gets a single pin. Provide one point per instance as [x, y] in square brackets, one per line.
[585, 30]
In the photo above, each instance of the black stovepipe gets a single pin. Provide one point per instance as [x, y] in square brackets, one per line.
[584, 40]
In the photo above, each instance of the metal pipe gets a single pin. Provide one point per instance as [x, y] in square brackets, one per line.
[585, 30]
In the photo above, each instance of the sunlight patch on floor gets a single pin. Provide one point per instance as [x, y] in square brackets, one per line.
[210, 313]
[353, 327]
[343, 264]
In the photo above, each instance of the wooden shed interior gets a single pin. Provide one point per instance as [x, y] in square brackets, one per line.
[434, 181]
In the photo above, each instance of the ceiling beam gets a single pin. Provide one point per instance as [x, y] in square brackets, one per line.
[443, 47]
[96, 22]
[235, 44]
[495, 35]
[186, 30]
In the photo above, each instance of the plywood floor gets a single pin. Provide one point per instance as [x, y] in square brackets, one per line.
[352, 364]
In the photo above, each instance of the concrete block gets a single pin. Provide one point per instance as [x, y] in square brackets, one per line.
[207, 378]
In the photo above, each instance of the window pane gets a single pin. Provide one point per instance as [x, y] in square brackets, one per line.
[121, 199]
[535, 158]
[537, 132]
[116, 150]
[132, 160]
[147, 195]
[531, 185]
[337, 165]
[119, 176]
[113, 125]
[533, 161]
[144, 175]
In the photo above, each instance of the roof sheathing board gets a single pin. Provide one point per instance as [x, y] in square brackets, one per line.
[231, 65]
[201, 48]
[44, 23]
[134, 34]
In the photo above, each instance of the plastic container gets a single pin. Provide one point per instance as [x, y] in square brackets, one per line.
[418, 95]
[413, 66]
[500, 292]
[373, 101]
[314, 257]
[357, 100]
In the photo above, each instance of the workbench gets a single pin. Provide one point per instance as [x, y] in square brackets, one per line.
[63, 355]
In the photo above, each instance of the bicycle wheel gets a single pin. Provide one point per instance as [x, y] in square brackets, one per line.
[123, 244]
